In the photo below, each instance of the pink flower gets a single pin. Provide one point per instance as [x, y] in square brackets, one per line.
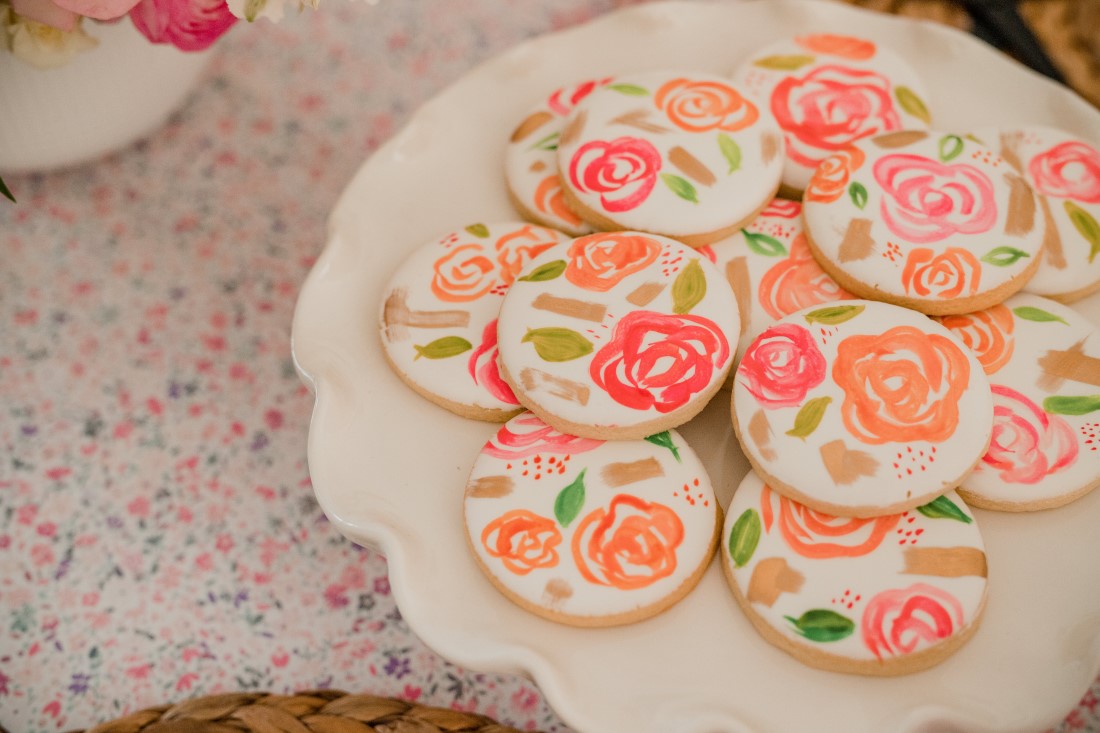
[1028, 444]
[527, 435]
[62, 14]
[484, 369]
[898, 621]
[1068, 170]
[781, 366]
[622, 171]
[926, 201]
[189, 25]
[563, 100]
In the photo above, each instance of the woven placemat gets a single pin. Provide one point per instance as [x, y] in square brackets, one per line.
[311, 711]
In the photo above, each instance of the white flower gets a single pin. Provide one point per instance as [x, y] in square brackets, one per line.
[41, 45]
[250, 10]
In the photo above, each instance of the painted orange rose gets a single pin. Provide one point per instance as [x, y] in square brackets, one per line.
[797, 282]
[901, 386]
[463, 273]
[953, 273]
[600, 261]
[629, 545]
[522, 540]
[698, 106]
[849, 47]
[988, 333]
[550, 200]
[516, 249]
[830, 179]
[816, 535]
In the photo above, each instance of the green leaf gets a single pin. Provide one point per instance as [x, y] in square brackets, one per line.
[443, 348]
[744, 537]
[630, 90]
[681, 187]
[252, 9]
[858, 192]
[6, 192]
[478, 230]
[557, 344]
[1076, 405]
[688, 288]
[951, 146]
[943, 508]
[809, 417]
[550, 142]
[1004, 256]
[821, 624]
[784, 62]
[664, 439]
[834, 314]
[1085, 224]
[570, 500]
[764, 245]
[731, 151]
[1037, 314]
[912, 104]
[542, 273]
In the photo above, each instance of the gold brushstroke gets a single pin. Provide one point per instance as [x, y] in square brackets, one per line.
[621, 474]
[772, 577]
[761, 434]
[573, 130]
[846, 466]
[644, 294]
[1072, 364]
[396, 316]
[535, 380]
[490, 487]
[529, 125]
[899, 139]
[638, 118]
[1052, 241]
[857, 243]
[557, 591]
[770, 145]
[737, 273]
[538, 166]
[691, 166]
[570, 307]
[945, 562]
[1020, 218]
[1009, 153]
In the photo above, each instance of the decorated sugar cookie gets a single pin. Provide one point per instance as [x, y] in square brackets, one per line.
[685, 155]
[1065, 170]
[861, 408]
[617, 335]
[827, 91]
[929, 220]
[1043, 363]
[771, 270]
[588, 532]
[439, 314]
[884, 596]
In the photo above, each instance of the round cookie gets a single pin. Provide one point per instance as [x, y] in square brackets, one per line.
[587, 532]
[771, 270]
[438, 316]
[1043, 363]
[861, 408]
[617, 335]
[885, 596]
[1065, 169]
[826, 91]
[684, 155]
[929, 220]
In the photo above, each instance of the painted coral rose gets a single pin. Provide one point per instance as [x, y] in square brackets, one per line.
[562, 101]
[658, 361]
[953, 273]
[988, 333]
[924, 200]
[902, 620]
[189, 25]
[903, 385]
[463, 273]
[830, 108]
[599, 262]
[849, 47]
[515, 249]
[484, 370]
[522, 540]
[831, 177]
[781, 366]
[817, 535]
[622, 171]
[1068, 170]
[550, 200]
[1028, 444]
[528, 435]
[699, 106]
[629, 545]
[797, 282]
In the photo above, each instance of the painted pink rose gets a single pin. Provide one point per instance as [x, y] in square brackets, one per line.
[782, 209]
[484, 369]
[527, 435]
[926, 201]
[622, 171]
[899, 621]
[1028, 444]
[189, 25]
[830, 108]
[658, 361]
[1070, 170]
[562, 101]
[782, 365]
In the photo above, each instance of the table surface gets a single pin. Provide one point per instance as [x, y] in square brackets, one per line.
[158, 534]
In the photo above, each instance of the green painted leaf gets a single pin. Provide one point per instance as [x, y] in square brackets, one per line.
[762, 244]
[731, 151]
[478, 230]
[809, 417]
[443, 348]
[821, 624]
[688, 288]
[6, 192]
[974, 139]
[681, 187]
[1004, 256]
[1075, 405]
[784, 62]
[1085, 224]
[834, 314]
[557, 344]
[912, 104]
[744, 537]
[542, 273]
[252, 9]
[570, 500]
[943, 508]
[664, 439]
[630, 90]
[550, 142]
[951, 146]
[858, 192]
[1037, 314]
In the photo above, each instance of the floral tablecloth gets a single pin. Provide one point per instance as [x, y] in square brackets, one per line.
[158, 533]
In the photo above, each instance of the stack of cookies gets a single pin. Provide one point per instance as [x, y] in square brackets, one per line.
[892, 328]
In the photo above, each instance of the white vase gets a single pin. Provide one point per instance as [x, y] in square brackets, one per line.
[104, 99]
